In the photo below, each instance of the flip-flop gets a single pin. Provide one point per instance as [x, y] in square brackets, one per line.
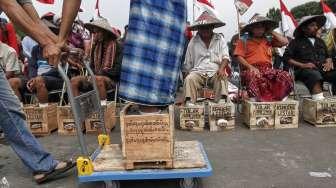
[53, 173]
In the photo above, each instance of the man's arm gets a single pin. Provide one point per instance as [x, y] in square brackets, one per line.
[279, 40]
[20, 17]
[69, 13]
[31, 11]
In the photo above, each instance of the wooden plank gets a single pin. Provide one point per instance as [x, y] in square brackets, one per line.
[192, 118]
[221, 116]
[110, 158]
[187, 154]
[41, 121]
[93, 124]
[322, 111]
[259, 115]
[147, 138]
[286, 114]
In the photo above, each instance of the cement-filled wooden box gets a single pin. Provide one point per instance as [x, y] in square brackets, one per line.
[147, 140]
[93, 124]
[258, 115]
[192, 117]
[41, 120]
[286, 114]
[66, 121]
[221, 116]
[320, 113]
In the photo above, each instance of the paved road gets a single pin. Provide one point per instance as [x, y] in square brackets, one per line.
[240, 158]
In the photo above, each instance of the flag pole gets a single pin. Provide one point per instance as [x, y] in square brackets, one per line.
[238, 21]
[193, 20]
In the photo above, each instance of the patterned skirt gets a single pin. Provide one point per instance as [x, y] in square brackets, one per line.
[270, 85]
[153, 51]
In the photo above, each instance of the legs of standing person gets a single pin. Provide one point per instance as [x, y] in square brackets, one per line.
[20, 139]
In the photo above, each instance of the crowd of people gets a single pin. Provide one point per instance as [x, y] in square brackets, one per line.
[146, 62]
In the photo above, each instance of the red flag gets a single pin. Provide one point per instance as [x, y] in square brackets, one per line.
[288, 21]
[331, 18]
[243, 5]
[206, 2]
[47, 1]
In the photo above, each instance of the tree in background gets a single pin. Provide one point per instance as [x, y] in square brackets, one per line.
[310, 8]
[274, 14]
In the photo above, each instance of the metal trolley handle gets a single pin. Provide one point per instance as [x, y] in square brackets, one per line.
[84, 105]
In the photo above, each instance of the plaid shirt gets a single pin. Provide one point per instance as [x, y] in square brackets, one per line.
[153, 51]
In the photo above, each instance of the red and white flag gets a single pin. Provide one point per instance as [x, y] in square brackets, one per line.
[206, 2]
[47, 1]
[288, 21]
[331, 18]
[206, 5]
[243, 5]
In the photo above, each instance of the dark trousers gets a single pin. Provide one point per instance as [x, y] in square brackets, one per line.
[311, 77]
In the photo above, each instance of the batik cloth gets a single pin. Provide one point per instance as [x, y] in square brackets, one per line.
[153, 51]
[270, 85]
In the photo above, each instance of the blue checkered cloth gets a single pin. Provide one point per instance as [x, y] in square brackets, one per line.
[153, 51]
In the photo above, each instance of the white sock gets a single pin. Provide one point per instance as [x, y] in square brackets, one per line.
[318, 96]
[43, 104]
[284, 99]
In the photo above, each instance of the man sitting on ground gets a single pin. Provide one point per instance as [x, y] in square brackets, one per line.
[206, 60]
[310, 58]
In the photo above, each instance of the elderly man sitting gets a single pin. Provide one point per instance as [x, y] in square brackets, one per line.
[206, 60]
[309, 56]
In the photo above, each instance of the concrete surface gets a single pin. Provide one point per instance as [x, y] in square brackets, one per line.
[240, 158]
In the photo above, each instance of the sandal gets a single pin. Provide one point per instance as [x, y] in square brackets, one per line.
[53, 173]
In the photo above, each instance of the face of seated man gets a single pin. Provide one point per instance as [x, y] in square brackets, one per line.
[311, 29]
[205, 32]
[258, 31]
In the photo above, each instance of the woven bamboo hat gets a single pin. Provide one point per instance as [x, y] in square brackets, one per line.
[319, 19]
[258, 19]
[206, 20]
[103, 24]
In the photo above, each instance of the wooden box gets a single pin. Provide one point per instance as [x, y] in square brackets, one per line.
[192, 118]
[320, 113]
[66, 121]
[286, 114]
[258, 115]
[147, 140]
[41, 120]
[221, 116]
[93, 125]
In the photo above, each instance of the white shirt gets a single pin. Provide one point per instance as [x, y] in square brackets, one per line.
[205, 60]
[9, 61]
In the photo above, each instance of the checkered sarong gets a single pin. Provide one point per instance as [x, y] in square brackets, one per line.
[153, 51]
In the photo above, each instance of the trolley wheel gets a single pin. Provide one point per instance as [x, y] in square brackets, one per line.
[111, 184]
[190, 183]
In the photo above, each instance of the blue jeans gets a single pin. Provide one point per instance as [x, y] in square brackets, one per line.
[13, 124]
